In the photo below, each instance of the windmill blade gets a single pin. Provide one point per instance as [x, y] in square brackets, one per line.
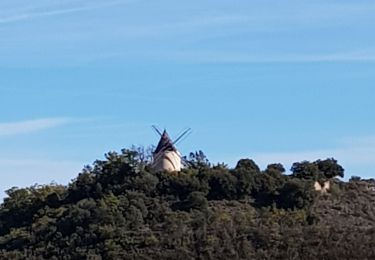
[182, 135]
[156, 130]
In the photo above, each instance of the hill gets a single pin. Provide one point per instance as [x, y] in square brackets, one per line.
[119, 209]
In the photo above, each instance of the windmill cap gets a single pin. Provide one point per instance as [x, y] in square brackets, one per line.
[165, 143]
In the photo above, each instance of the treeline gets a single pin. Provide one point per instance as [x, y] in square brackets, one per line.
[119, 209]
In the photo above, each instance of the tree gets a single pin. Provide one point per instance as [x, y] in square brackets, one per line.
[196, 200]
[197, 160]
[296, 194]
[318, 170]
[247, 165]
[330, 168]
[222, 184]
[275, 168]
[306, 170]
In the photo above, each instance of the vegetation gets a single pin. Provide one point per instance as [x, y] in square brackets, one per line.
[118, 209]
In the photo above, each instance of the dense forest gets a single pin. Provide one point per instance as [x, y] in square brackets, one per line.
[118, 209]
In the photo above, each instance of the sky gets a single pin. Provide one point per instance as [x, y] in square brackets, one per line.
[275, 81]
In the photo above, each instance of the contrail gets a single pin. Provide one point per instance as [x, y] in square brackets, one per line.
[28, 16]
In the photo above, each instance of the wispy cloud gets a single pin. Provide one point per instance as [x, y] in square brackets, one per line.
[61, 11]
[30, 126]
[243, 57]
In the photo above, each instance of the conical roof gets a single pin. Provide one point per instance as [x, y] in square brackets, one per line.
[165, 144]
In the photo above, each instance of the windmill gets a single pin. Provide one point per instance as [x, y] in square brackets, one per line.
[166, 157]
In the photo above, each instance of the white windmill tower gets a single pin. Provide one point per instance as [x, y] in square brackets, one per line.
[166, 157]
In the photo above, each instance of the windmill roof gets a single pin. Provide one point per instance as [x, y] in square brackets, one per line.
[165, 143]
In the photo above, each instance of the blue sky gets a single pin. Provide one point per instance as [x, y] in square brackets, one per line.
[276, 81]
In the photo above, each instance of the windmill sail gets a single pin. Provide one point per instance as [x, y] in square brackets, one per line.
[184, 134]
[157, 130]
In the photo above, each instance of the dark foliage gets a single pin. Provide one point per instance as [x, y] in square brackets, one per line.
[118, 209]
[318, 170]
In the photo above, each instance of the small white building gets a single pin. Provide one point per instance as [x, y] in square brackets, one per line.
[323, 188]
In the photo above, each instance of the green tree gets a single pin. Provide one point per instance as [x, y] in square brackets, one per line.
[306, 170]
[247, 165]
[330, 168]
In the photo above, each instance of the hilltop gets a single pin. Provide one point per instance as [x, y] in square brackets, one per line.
[118, 209]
